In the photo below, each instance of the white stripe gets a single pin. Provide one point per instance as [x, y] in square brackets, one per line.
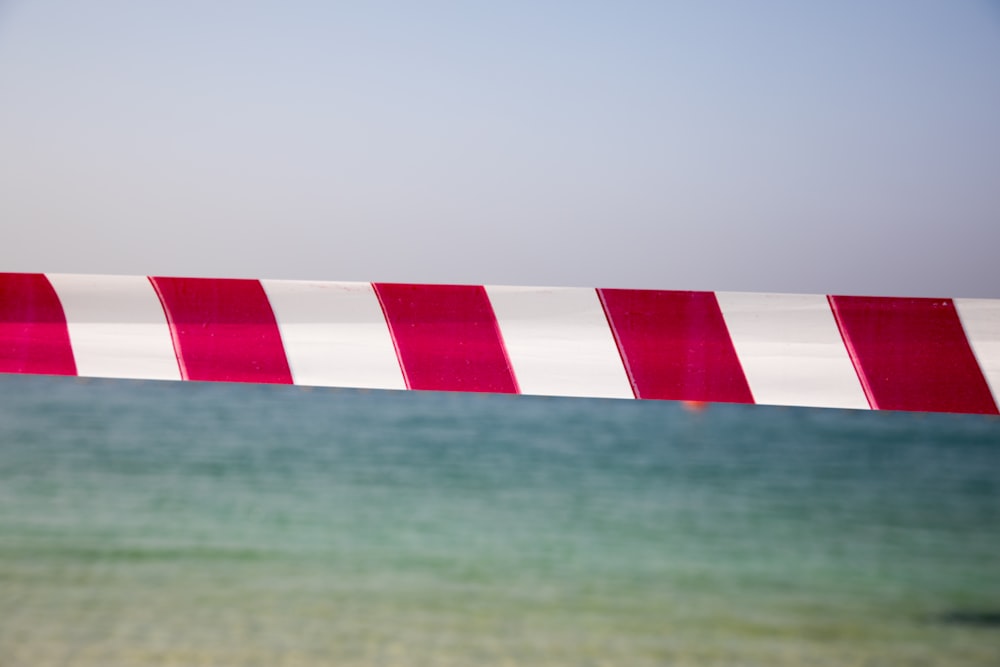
[981, 321]
[559, 342]
[116, 326]
[334, 334]
[791, 350]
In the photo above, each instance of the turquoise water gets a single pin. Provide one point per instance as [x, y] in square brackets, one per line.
[148, 523]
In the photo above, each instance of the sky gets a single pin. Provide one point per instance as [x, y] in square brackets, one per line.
[843, 147]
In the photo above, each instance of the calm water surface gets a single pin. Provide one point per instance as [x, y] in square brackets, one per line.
[148, 523]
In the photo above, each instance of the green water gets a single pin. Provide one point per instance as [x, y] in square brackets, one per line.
[197, 524]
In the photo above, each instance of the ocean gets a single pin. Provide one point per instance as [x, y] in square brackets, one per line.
[148, 523]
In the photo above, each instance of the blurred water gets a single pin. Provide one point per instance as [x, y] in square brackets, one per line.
[211, 524]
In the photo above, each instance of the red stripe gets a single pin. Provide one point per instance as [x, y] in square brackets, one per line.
[446, 337]
[912, 354]
[223, 329]
[34, 337]
[675, 345]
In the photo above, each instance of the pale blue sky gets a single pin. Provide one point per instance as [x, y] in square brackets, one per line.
[851, 147]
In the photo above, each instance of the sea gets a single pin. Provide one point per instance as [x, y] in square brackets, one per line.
[188, 524]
